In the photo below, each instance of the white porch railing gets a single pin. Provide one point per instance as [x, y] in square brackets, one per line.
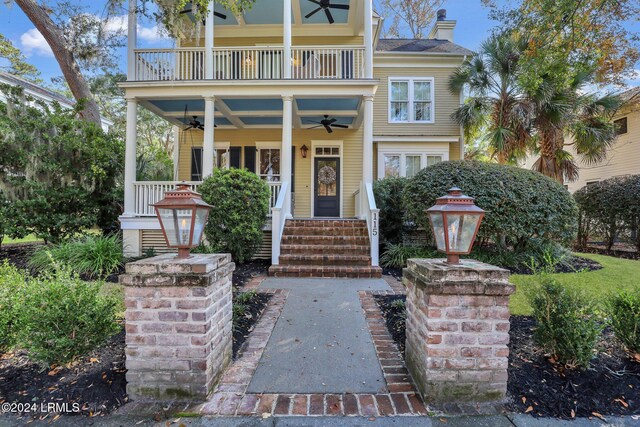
[279, 214]
[150, 192]
[371, 214]
[250, 63]
[327, 62]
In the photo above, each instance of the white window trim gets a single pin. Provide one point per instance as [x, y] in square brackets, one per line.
[222, 145]
[387, 150]
[321, 143]
[410, 112]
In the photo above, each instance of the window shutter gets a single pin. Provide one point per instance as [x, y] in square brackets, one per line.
[234, 157]
[196, 164]
[250, 158]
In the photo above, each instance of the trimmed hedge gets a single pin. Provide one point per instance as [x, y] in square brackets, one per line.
[240, 201]
[609, 208]
[388, 194]
[521, 204]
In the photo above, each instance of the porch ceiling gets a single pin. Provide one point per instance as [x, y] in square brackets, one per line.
[238, 113]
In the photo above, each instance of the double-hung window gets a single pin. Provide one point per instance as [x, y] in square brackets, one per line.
[411, 100]
[393, 162]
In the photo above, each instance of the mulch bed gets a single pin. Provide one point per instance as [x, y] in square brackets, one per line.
[249, 270]
[18, 254]
[96, 383]
[611, 385]
[243, 325]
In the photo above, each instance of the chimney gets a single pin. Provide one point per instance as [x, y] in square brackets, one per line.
[442, 28]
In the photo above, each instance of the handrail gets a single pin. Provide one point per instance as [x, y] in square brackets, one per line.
[372, 214]
[279, 214]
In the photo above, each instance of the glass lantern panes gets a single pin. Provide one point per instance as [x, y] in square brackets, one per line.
[438, 229]
[177, 225]
[198, 227]
[460, 231]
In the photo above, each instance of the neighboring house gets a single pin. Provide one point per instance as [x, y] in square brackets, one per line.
[254, 93]
[623, 158]
[42, 94]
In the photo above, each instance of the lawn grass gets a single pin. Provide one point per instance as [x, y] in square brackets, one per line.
[617, 274]
[28, 239]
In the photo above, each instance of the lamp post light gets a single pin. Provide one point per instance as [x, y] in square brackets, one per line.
[182, 215]
[455, 221]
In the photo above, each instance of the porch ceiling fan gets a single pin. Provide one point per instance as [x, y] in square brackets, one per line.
[194, 123]
[328, 123]
[326, 6]
[218, 14]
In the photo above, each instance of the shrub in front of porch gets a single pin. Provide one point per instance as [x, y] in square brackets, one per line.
[240, 201]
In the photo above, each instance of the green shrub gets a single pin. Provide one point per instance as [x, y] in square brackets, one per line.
[240, 201]
[609, 209]
[388, 195]
[63, 318]
[522, 203]
[4, 216]
[12, 282]
[624, 310]
[91, 255]
[566, 327]
[396, 256]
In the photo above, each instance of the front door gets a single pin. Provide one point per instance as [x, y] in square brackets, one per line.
[327, 187]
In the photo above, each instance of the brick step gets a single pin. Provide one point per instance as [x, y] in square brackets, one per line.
[325, 260]
[325, 231]
[325, 240]
[289, 249]
[332, 223]
[325, 271]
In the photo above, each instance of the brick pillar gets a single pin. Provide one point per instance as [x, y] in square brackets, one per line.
[457, 329]
[178, 325]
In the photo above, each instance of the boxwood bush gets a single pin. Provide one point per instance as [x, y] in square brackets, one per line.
[388, 195]
[240, 201]
[624, 309]
[609, 209]
[522, 204]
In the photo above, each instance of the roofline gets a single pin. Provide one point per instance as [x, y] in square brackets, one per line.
[412, 53]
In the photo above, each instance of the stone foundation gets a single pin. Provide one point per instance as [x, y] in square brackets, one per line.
[178, 325]
[457, 329]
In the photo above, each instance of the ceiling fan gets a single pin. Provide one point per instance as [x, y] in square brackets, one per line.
[326, 6]
[194, 123]
[218, 14]
[328, 123]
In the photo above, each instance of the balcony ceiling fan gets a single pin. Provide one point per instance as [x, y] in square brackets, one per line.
[328, 123]
[194, 123]
[218, 14]
[326, 6]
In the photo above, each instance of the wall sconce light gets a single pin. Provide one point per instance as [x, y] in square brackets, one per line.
[304, 150]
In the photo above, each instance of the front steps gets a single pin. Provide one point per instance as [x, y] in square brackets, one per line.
[325, 248]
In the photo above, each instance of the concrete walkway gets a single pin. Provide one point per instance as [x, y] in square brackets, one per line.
[321, 343]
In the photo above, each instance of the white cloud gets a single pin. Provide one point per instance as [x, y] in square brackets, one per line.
[148, 34]
[634, 78]
[33, 42]
[151, 34]
[116, 24]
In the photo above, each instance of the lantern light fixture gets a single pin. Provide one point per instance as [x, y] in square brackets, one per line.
[455, 221]
[304, 150]
[182, 215]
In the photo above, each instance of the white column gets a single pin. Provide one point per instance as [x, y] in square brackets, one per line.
[208, 43]
[285, 154]
[131, 41]
[130, 157]
[368, 39]
[287, 39]
[367, 141]
[208, 144]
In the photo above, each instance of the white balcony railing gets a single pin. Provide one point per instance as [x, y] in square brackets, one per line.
[250, 63]
[150, 192]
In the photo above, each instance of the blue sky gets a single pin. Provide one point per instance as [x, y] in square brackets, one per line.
[473, 26]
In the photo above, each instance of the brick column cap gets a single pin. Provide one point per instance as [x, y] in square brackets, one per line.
[470, 277]
[169, 264]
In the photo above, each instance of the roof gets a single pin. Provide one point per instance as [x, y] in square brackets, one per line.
[34, 88]
[421, 46]
[631, 95]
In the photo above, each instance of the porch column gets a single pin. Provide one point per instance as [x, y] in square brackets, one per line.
[207, 144]
[131, 138]
[287, 39]
[367, 141]
[131, 41]
[285, 153]
[208, 43]
[368, 40]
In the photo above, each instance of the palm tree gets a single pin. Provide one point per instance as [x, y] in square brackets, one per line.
[569, 112]
[497, 105]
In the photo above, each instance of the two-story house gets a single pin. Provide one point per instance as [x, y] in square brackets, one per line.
[309, 97]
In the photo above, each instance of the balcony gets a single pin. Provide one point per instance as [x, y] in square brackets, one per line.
[251, 63]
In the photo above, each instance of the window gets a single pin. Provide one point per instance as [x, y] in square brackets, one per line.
[196, 163]
[394, 162]
[391, 165]
[620, 126]
[411, 100]
[327, 151]
[270, 164]
[413, 165]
